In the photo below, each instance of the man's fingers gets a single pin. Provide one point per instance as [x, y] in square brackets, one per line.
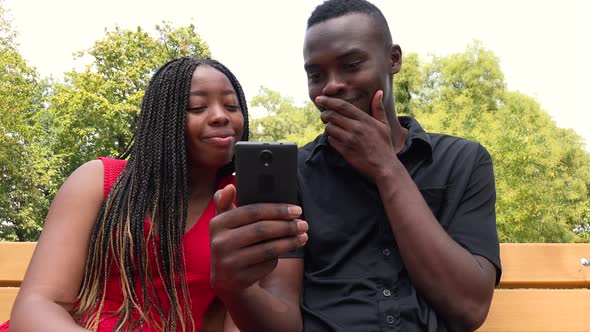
[265, 251]
[250, 264]
[251, 213]
[266, 230]
[377, 108]
[337, 132]
[231, 240]
[334, 117]
[243, 277]
[224, 199]
[341, 106]
[339, 146]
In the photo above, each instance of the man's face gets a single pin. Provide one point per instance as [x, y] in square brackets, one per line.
[346, 58]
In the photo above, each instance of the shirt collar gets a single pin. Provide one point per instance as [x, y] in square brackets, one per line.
[418, 140]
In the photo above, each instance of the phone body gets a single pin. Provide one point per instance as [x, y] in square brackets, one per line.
[266, 172]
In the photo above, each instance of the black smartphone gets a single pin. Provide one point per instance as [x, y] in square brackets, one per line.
[266, 172]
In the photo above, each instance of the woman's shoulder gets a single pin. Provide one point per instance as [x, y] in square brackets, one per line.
[112, 169]
[112, 164]
[91, 170]
[87, 178]
[99, 173]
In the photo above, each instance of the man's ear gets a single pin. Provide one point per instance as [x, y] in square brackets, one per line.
[395, 56]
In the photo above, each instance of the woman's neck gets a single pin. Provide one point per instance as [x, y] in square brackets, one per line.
[202, 183]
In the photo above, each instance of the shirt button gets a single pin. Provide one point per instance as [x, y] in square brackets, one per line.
[386, 252]
[390, 319]
[387, 292]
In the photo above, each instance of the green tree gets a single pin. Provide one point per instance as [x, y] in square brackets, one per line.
[24, 171]
[50, 128]
[542, 171]
[284, 121]
[95, 110]
[459, 89]
[409, 92]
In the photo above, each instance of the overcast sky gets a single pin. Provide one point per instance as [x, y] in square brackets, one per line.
[543, 46]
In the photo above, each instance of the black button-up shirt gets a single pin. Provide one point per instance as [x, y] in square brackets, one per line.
[355, 279]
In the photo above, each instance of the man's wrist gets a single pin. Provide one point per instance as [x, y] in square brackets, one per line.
[389, 175]
[239, 295]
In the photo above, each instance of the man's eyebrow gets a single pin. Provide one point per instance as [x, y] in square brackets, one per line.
[205, 93]
[351, 52]
[307, 67]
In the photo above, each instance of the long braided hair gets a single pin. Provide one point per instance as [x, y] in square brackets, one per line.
[154, 184]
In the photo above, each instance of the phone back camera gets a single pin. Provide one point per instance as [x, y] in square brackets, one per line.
[265, 157]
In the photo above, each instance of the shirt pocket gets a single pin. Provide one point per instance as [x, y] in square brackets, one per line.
[435, 198]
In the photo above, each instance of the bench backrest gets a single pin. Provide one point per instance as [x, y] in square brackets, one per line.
[544, 287]
[14, 259]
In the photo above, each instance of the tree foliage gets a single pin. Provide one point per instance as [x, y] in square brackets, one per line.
[542, 171]
[284, 121]
[96, 109]
[24, 171]
[50, 128]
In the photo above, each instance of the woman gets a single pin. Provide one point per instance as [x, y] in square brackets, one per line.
[125, 245]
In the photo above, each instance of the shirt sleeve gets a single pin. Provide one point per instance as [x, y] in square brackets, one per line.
[473, 225]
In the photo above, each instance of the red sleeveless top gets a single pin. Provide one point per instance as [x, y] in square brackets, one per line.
[196, 253]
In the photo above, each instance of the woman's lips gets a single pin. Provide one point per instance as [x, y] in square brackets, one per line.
[220, 141]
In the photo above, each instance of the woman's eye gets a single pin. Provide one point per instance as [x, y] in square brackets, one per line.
[196, 109]
[232, 107]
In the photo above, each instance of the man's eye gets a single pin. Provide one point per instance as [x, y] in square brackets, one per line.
[313, 76]
[353, 65]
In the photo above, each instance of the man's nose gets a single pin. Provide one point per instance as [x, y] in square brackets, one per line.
[334, 85]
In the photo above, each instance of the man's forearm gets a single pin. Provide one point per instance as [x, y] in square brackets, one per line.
[449, 277]
[257, 309]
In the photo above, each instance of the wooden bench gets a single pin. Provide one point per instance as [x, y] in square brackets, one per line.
[544, 287]
[14, 259]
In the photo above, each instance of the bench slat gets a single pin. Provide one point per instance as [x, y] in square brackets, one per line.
[516, 310]
[550, 265]
[7, 296]
[14, 259]
[520, 310]
[524, 266]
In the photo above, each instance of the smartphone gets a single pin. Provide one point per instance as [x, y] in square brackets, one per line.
[266, 172]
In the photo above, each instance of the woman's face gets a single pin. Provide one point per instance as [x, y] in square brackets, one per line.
[214, 120]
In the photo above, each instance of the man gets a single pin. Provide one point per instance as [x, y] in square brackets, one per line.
[402, 222]
[402, 233]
